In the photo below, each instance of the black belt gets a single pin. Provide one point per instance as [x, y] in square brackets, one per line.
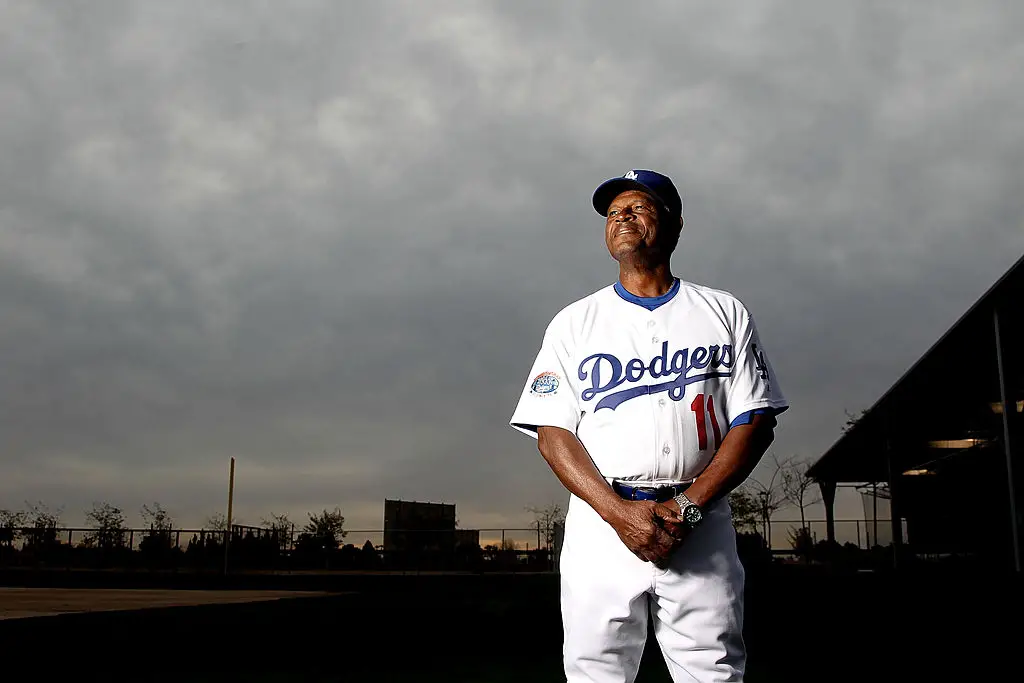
[659, 494]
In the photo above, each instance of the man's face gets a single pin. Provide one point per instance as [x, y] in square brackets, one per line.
[632, 227]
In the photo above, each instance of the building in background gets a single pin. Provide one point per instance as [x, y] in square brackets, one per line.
[414, 528]
[942, 448]
[467, 538]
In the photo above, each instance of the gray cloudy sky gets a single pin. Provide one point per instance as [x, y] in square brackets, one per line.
[325, 238]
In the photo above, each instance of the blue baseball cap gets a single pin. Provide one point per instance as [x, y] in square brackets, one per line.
[647, 181]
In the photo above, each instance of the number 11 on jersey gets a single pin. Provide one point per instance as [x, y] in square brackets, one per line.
[698, 408]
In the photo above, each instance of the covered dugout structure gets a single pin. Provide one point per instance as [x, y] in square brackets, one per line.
[946, 439]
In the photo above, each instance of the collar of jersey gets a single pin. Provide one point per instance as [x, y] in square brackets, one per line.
[648, 302]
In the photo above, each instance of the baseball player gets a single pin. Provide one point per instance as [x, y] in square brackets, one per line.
[651, 399]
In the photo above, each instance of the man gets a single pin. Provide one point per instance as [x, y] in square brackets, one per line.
[651, 400]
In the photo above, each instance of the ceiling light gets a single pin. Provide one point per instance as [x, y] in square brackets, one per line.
[913, 473]
[955, 443]
[997, 407]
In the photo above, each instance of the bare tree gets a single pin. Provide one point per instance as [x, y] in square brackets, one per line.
[158, 538]
[801, 541]
[43, 522]
[546, 518]
[280, 529]
[768, 493]
[156, 518]
[109, 524]
[216, 522]
[11, 522]
[798, 490]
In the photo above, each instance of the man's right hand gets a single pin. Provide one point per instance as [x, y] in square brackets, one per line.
[650, 530]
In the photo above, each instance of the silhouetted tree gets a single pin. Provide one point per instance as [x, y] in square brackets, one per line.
[156, 518]
[798, 490]
[321, 535]
[157, 542]
[546, 518]
[280, 529]
[745, 512]
[195, 551]
[348, 555]
[326, 530]
[218, 523]
[801, 541]
[11, 522]
[768, 494]
[109, 524]
[43, 523]
[368, 556]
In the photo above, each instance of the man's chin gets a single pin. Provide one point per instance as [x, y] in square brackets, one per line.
[634, 254]
[624, 245]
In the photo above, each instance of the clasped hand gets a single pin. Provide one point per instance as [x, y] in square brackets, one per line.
[652, 531]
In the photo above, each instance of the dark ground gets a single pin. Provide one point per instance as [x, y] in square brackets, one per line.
[801, 626]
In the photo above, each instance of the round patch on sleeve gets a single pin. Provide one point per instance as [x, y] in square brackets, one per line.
[544, 384]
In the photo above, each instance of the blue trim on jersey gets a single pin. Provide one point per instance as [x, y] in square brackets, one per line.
[748, 417]
[648, 302]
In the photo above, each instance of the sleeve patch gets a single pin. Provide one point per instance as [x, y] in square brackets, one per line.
[545, 384]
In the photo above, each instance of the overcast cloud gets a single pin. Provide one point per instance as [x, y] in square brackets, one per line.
[326, 239]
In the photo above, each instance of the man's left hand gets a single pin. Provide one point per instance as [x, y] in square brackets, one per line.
[675, 527]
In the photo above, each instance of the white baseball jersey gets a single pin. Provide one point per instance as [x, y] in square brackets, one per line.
[651, 394]
[651, 387]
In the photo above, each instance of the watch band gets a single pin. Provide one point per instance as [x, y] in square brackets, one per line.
[684, 503]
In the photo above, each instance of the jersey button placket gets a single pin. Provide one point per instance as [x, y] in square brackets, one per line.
[656, 414]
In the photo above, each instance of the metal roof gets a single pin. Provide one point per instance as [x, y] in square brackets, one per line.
[947, 394]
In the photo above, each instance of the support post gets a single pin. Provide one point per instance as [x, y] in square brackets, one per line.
[231, 501]
[1007, 416]
[874, 513]
[894, 511]
[828, 496]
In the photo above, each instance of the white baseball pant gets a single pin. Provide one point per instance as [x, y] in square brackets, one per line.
[606, 592]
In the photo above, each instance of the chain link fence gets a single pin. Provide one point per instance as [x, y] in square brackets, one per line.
[248, 548]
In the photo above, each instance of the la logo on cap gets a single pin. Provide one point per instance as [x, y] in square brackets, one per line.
[631, 175]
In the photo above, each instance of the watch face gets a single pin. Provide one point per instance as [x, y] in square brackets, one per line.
[692, 515]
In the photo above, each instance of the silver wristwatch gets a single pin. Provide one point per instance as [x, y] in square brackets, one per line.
[689, 511]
